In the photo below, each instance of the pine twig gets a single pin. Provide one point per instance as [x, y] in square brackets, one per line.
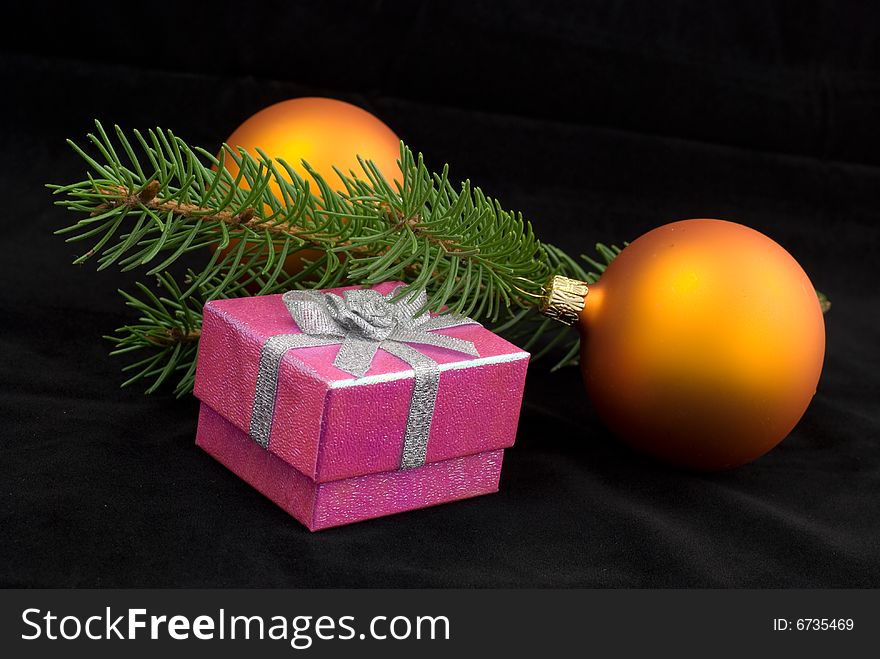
[149, 201]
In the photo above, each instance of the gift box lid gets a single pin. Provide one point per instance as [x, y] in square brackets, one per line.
[329, 424]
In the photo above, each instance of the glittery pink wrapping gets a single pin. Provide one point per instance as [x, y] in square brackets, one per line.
[334, 431]
[324, 505]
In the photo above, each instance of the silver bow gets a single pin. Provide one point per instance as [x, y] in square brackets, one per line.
[362, 321]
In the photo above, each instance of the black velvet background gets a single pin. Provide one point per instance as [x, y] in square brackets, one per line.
[599, 121]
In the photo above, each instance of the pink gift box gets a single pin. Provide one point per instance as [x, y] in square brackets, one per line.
[336, 441]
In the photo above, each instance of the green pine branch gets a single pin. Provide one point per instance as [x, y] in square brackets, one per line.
[168, 329]
[149, 199]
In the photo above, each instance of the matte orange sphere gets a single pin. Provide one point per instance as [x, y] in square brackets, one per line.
[323, 131]
[702, 344]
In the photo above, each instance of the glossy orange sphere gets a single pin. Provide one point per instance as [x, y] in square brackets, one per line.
[702, 344]
[323, 131]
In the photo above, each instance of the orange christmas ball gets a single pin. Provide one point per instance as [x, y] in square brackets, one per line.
[324, 132]
[702, 344]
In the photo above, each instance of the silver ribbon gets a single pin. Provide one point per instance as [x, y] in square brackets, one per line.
[362, 321]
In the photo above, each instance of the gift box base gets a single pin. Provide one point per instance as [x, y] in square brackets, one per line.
[324, 505]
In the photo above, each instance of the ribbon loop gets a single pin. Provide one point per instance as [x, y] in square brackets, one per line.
[309, 310]
[437, 340]
[363, 321]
